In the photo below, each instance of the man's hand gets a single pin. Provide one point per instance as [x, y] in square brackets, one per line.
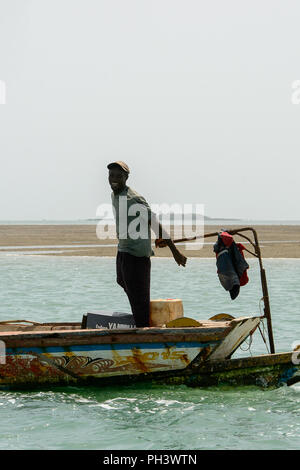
[179, 257]
[160, 243]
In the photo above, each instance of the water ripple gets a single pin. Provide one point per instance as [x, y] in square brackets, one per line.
[148, 416]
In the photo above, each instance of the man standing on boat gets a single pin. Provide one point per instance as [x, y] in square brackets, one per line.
[134, 247]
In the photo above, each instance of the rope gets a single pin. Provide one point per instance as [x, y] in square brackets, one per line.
[263, 333]
[263, 336]
[249, 345]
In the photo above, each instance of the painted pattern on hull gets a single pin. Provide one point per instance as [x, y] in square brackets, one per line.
[98, 360]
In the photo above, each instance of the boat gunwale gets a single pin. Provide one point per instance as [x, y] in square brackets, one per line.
[204, 325]
[45, 340]
[218, 331]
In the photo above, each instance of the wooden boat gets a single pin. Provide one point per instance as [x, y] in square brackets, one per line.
[35, 355]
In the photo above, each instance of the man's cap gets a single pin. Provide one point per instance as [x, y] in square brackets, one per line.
[120, 164]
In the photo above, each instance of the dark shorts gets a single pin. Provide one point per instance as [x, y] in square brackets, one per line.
[133, 274]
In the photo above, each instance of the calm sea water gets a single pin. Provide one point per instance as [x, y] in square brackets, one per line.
[143, 416]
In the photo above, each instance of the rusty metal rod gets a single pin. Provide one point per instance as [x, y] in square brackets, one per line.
[267, 308]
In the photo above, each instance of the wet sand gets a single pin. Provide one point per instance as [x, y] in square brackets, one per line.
[276, 241]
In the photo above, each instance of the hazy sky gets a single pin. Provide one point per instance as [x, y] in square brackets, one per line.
[194, 95]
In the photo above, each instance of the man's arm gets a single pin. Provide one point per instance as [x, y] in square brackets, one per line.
[167, 241]
[161, 233]
[179, 257]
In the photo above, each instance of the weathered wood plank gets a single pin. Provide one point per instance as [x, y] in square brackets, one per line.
[235, 337]
[51, 339]
[245, 362]
[209, 331]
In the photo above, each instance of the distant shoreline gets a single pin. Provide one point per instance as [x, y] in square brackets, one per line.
[276, 241]
[207, 221]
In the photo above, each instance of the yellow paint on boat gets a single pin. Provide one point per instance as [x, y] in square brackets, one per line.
[183, 322]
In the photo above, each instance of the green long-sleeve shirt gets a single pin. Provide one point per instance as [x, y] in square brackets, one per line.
[133, 217]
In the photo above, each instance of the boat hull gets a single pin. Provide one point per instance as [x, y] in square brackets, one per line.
[265, 371]
[268, 370]
[92, 362]
[191, 356]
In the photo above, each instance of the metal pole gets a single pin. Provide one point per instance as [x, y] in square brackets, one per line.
[267, 309]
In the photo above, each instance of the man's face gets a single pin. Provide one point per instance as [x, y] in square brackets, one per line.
[117, 179]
